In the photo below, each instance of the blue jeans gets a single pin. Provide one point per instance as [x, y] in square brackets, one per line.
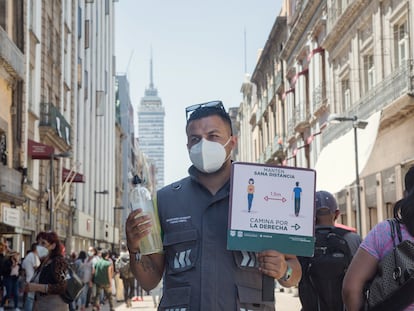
[84, 294]
[28, 303]
[12, 289]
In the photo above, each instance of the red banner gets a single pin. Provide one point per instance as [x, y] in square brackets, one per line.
[67, 175]
[39, 151]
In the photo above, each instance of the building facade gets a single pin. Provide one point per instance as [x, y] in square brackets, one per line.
[57, 122]
[12, 77]
[125, 119]
[349, 61]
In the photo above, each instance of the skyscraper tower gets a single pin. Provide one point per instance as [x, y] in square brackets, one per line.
[151, 128]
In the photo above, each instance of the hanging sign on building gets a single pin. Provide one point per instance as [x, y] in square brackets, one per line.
[271, 207]
[68, 175]
[39, 151]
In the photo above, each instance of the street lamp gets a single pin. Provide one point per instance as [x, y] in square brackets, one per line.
[115, 208]
[94, 213]
[54, 156]
[357, 124]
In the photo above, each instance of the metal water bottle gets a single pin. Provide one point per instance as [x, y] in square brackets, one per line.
[140, 197]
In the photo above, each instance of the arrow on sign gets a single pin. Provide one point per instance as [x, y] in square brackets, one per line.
[296, 227]
[275, 199]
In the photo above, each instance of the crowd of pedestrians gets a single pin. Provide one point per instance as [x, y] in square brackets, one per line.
[33, 283]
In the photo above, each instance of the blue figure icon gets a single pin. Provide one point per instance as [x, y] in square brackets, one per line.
[297, 191]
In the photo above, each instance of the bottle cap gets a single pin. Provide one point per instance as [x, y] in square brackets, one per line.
[136, 180]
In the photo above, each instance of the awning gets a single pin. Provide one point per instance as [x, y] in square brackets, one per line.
[335, 167]
[39, 151]
[68, 175]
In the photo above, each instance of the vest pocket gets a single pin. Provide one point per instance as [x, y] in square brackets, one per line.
[176, 299]
[181, 250]
[251, 299]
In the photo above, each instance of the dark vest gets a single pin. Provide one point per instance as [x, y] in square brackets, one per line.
[201, 274]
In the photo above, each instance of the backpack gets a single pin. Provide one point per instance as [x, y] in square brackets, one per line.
[321, 285]
[122, 265]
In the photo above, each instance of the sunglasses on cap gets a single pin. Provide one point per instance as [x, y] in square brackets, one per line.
[212, 104]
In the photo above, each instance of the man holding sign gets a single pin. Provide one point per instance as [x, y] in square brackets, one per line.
[200, 272]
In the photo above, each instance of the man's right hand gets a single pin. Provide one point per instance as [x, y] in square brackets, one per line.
[137, 226]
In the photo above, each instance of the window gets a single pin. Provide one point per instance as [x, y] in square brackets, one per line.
[32, 16]
[79, 22]
[3, 148]
[31, 88]
[401, 43]
[346, 95]
[3, 14]
[49, 38]
[86, 34]
[369, 72]
[106, 7]
[80, 69]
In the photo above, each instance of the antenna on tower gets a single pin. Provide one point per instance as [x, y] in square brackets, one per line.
[151, 74]
[245, 51]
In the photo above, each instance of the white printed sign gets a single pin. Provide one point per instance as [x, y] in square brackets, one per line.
[271, 207]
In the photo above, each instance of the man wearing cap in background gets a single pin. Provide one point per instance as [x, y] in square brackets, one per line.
[321, 284]
[327, 213]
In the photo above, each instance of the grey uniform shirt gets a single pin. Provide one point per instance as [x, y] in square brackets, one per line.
[201, 274]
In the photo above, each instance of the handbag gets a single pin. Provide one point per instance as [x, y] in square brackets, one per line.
[393, 286]
[74, 286]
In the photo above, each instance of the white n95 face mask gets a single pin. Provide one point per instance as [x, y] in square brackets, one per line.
[42, 251]
[208, 156]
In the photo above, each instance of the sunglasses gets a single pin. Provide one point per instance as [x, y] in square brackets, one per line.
[213, 104]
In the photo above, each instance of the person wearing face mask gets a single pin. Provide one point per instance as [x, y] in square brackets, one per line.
[12, 266]
[91, 260]
[30, 263]
[48, 281]
[199, 272]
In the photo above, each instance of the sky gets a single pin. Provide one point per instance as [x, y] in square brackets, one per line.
[201, 51]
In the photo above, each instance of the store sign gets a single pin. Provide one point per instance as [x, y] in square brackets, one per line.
[11, 216]
[39, 151]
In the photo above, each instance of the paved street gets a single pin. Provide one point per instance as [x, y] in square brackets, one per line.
[285, 301]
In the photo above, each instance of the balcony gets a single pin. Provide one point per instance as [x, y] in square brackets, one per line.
[268, 153]
[270, 93]
[261, 108]
[278, 81]
[302, 117]
[11, 57]
[319, 99]
[277, 149]
[339, 18]
[54, 125]
[10, 185]
[394, 87]
[291, 129]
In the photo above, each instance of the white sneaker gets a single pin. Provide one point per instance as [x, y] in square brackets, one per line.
[17, 309]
